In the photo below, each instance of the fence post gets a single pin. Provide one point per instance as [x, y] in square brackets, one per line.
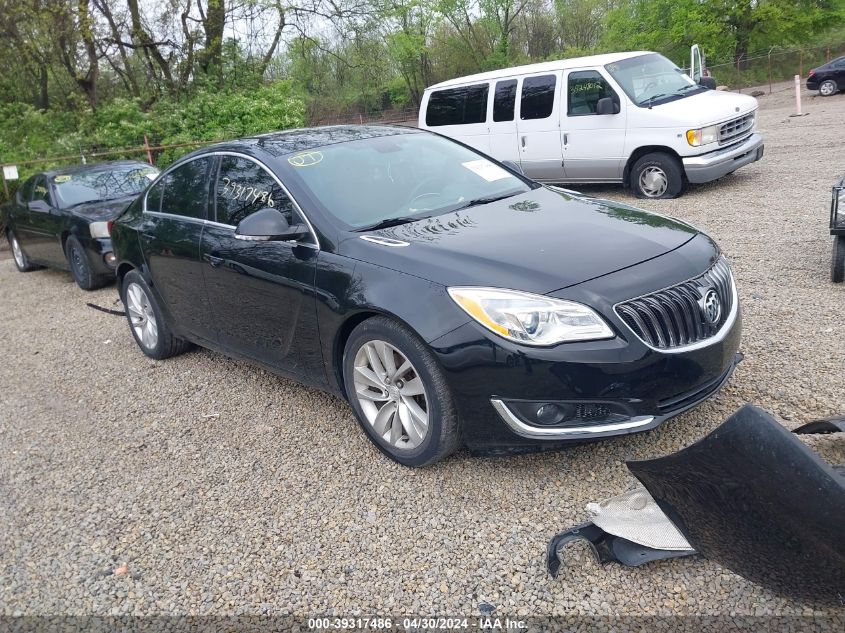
[801, 62]
[149, 153]
[770, 70]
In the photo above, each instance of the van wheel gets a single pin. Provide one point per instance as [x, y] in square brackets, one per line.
[828, 88]
[837, 261]
[657, 175]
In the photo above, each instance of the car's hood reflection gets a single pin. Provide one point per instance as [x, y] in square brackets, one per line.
[533, 241]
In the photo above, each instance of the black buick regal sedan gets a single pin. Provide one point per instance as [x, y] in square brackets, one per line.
[60, 218]
[450, 300]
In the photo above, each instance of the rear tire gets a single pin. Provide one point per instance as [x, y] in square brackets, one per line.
[146, 321]
[837, 260]
[80, 266]
[408, 414]
[657, 176]
[828, 88]
[21, 260]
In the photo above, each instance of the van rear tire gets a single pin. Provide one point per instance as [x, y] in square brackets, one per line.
[657, 176]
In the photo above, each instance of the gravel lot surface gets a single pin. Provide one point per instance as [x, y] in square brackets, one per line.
[202, 485]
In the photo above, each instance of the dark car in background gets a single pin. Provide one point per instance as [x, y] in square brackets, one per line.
[829, 78]
[60, 218]
[449, 299]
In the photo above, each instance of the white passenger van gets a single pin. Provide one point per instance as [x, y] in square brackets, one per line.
[633, 118]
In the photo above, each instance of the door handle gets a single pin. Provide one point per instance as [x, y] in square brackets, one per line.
[523, 141]
[214, 261]
[565, 138]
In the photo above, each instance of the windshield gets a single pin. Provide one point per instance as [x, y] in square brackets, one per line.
[652, 79]
[102, 184]
[400, 178]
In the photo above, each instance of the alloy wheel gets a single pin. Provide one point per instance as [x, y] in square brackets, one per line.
[827, 88]
[653, 181]
[391, 394]
[16, 251]
[141, 316]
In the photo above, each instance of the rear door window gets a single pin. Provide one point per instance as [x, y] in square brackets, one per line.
[538, 97]
[185, 189]
[504, 100]
[457, 106]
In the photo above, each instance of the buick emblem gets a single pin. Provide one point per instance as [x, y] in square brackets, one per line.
[711, 307]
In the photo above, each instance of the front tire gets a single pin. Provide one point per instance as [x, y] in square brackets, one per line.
[837, 260]
[80, 266]
[657, 176]
[828, 88]
[399, 393]
[21, 260]
[146, 321]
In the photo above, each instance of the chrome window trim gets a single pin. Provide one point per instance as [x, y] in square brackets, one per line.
[550, 433]
[716, 338]
[163, 174]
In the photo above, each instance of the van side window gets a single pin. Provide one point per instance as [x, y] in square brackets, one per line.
[458, 106]
[538, 97]
[504, 100]
[586, 87]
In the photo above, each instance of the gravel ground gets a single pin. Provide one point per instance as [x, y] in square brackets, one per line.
[202, 485]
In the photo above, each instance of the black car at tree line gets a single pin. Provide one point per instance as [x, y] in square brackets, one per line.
[449, 299]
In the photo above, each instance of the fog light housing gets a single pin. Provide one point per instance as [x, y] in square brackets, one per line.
[568, 413]
[109, 258]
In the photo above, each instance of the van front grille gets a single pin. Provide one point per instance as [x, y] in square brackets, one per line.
[685, 314]
[736, 129]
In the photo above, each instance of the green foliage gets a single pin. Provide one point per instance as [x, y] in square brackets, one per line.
[208, 115]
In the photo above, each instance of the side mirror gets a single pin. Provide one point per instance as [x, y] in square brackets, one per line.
[269, 225]
[513, 166]
[607, 105]
[39, 206]
[707, 82]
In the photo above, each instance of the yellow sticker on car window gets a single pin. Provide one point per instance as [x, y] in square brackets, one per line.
[63, 178]
[306, 159]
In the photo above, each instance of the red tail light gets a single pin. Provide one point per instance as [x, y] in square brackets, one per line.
[110, 224]
[812, 72]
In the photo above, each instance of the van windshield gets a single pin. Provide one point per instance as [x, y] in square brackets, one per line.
[652, 79]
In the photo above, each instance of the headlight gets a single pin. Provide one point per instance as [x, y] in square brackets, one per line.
[531, 319]
[703, 136]
[99, 229]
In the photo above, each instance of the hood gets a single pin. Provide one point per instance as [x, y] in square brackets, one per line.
[102, 210]
[540, 241]
[706, 108]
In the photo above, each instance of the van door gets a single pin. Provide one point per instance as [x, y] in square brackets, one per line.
[593, 144]
[502, 121]
[538, 127]
[460, 113]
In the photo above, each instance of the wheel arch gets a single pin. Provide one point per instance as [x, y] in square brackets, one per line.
[638, 153]
[344, 331]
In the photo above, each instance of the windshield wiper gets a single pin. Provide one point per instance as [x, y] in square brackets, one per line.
[485, 200]
[386, 224]
[651, 99]
[689, 87]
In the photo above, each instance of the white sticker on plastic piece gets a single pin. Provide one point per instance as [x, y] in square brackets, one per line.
[10, 172]
[487, 170]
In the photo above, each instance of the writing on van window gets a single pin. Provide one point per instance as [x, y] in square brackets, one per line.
[587, 86]
[237, 191]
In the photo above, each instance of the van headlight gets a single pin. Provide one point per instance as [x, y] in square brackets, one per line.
[703, 136]
[531, 319]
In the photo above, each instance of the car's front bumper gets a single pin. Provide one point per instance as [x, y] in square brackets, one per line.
[714, 165]
[100, 255]
[494, 381]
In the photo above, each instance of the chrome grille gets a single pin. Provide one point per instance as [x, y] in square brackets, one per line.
[736, 129]
[676, 317]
